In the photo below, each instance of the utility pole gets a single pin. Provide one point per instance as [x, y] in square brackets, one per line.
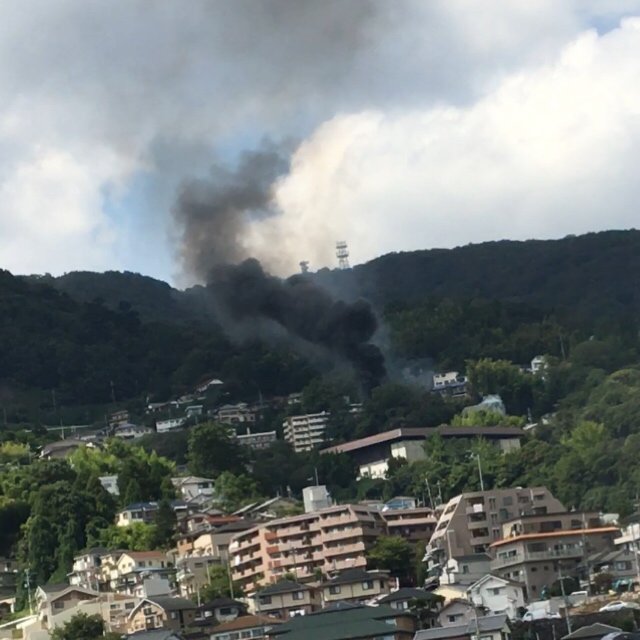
[426, 479]
[477, 457]
[567, 618]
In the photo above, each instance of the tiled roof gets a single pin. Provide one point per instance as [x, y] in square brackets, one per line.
[283, 586]
[555, 534]
[355, 575]
[246, 622]
[590, 631]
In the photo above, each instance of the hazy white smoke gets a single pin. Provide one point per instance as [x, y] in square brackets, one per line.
[551, 151]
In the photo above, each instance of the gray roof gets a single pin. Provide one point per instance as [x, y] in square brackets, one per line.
[592, 630]
[283, 586]
[473, 557]
[407, 593]
[355, 575]
[169, 603]
[55, 587]
[155, 634]
[485, 624]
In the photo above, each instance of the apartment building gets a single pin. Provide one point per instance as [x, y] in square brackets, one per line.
[414, 525]
[537, 523]
[306, 432]
[328, 540]
[194, 573]
[86, 571]
[239, 413]
[257, 441]
[536, 559]
[471, 522]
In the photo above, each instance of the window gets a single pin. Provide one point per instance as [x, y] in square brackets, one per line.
[465, 568]
[455, 617]
[367, 585]
[265, 599]
[226, 611]
[174, 615]
[334, 589]
[129, 605]
[492, 503]
[497, 591]
[58, 605]
[507, 501]
[298, 595]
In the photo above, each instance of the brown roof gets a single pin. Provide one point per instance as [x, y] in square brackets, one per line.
[556, 534]
[246, 622]
[143, 555]
[421, 433]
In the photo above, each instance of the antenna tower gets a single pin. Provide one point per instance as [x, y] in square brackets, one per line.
[342, 253]
[304, 266]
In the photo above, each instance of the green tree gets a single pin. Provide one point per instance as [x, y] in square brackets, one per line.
[393, 554]
[213, 449]
[135, 537]
[220, 585]
[234, 491]
[165, 524]
[83, 627]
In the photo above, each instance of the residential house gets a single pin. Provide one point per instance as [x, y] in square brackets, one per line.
[457, 611]
[213, 541]
[269, 509]
[255, 627]
[235, 414]
[403, 599]
[86, 571]
[132, 567]
[211, 383]
[162, 612]
[371, 454]
[128, 431]
[286, 599]
[306, 432]
[357, 586]
[144, 512]
[484, 628]
[344, 621]
[191, 487]
[119, 417]
[53, 599]
[533, 558]
[328, 540]
[595, 631]
[62, 448]
[155, 634]
[497, 595]
[538, 364]
[218, 611]
[450, 383]
[170, 424]
[621, 564]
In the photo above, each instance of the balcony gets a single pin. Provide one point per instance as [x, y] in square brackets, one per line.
[536, 556]
[340, 550]
[472, 509]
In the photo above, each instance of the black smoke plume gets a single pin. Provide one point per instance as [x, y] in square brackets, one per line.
[304, 310]
[214, 213]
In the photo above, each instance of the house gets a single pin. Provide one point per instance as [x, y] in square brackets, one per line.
[465, 569]
[193, 573]
[371, 454]
[538, 364]
[133, 567]
[155, 634]
[63, 448]
[191, 487]
[137, 512]
[170, 424]
[592, 632]
[255, 627]
[619, 563]
[162, 612]
[456, 612]
[128, 431]
[344, 621]
[212, 383]
[356, 586]
[112, 607]
[403, 598]
[219, 611]
[449, 383]
[485, 628]
[86, 570]
[286, 599]
[235, 414]
[497, 595]
[53, 599]
[213, 540]
[257, 441]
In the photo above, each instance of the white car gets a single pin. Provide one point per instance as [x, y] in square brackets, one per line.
[618, 605]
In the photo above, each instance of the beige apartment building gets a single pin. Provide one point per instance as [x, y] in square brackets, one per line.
[471, 522]
[414, 525]
[305, 546]
[536, 559]
[306, 432]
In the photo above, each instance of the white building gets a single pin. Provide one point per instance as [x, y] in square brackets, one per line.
[306, 432]
[162, 426]
[191, 487]
[110, 483]
[260, 440]
[450, 383]
[235, 414]
[497, 595]
[538, 364]
[128, 431]
[316, 498]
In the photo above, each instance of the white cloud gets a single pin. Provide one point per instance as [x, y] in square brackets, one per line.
[552, 150]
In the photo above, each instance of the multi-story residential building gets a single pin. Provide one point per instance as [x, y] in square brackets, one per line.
[213, 541]
[144, 512]
[8, 577]
[357, 586]
[87, 571]
[286, 599]
[125, 571]
[257, 441]
[545, 523]
[537, 559]
[471, 521]
[306, 432]
[235, 414]
[450, 383]
[170, 424]
[415, 525]
[53, 599]
[465, 570]
[329, 540]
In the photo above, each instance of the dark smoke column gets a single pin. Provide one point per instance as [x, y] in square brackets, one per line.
[246, 292]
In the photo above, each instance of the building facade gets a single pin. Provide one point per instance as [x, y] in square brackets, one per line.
[306, 432]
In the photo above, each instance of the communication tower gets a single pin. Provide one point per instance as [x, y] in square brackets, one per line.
[304, 266]
[342, 253]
